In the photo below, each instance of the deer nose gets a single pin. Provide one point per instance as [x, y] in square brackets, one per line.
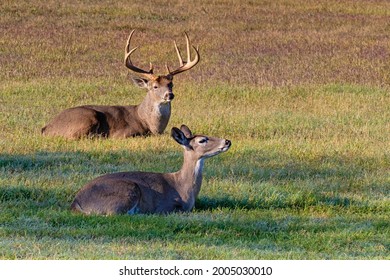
[228, 143]
[169, 96]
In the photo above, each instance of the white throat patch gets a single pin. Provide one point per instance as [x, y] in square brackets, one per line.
[161, 109]
[199, 167]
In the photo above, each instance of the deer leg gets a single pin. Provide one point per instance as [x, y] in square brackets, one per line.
[128, 201]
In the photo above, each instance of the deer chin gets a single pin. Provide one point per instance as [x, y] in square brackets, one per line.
[224, 149]
[162, 103]
[220, 150]
[166, 101]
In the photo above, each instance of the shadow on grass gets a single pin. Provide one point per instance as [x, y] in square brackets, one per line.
[255, 233]
[43, 168]
[207, 203]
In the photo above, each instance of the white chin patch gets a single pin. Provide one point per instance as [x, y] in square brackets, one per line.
[224, 149]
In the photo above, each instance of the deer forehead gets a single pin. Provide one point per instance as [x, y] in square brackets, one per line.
[161, 80]
[198, 137]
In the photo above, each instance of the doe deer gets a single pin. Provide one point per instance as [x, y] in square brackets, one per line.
[149, 117]
[147, 192]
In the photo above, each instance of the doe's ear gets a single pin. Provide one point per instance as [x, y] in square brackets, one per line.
[187, 132]
[140, 82]
[179, 136]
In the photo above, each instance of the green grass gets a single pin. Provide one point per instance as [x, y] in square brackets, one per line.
[300, 89]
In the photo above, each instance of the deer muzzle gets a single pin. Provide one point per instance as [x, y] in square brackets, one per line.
[228, 143]
[168, 96]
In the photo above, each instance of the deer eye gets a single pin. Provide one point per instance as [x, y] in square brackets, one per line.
[203, 140]
[155, 87]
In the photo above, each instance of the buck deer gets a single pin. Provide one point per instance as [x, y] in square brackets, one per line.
[147, 192]
[151, 116]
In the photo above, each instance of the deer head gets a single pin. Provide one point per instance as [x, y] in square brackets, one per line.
[160, 85]
[200, 146]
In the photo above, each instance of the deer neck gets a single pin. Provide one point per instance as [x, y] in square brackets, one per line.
[189, 179]
[154, 113]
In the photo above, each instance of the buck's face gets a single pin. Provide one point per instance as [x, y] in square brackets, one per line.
[160, 88]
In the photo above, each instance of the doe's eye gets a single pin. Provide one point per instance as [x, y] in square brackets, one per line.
[203, 140]
[155, 87]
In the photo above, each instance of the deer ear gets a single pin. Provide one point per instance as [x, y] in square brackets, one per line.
[179, 136]
[142, 83]
[187, 132]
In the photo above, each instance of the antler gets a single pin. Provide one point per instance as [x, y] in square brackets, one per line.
[185, 65]
[146, 74]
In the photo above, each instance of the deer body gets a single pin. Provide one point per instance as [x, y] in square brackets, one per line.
[149, 117]
[111, 121]
[147, 192]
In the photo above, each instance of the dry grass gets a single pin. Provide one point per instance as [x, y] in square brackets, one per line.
[245, 42]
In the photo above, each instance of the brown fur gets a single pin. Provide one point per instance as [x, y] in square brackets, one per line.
[148, 192]
[149, 117]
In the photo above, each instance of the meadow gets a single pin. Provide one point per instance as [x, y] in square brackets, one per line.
[301, 88]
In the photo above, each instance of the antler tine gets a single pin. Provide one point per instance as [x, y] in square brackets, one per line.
[185, 65]
[168, 70]
[178, 54]
[188, 47]
[147, 74]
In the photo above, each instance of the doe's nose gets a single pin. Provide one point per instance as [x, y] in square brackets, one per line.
[228, 142]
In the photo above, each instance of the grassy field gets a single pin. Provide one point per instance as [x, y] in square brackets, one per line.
[300, 87]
